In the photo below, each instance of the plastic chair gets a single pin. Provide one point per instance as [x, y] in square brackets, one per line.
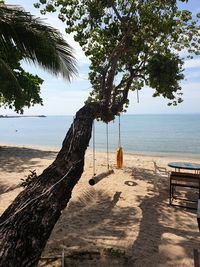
[161, 171]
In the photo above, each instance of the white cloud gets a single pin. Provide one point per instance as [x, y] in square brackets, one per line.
[63, 103]
[194, 86]
[151, 105]
[82, 77]
[192, 75]
[192, 63]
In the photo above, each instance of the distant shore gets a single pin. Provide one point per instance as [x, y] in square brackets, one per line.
[21, 116]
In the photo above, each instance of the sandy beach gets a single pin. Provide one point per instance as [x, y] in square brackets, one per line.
[123, 220]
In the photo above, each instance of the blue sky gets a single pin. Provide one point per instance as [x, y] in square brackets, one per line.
[64, 98]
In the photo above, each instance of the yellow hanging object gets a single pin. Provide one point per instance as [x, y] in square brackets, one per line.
[119, 155]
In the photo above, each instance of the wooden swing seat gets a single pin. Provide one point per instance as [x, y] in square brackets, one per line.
[94, 180]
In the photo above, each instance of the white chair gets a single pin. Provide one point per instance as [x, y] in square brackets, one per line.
[161, 171]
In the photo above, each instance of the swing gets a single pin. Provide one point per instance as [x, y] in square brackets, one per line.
[96, 178]
[119, 153]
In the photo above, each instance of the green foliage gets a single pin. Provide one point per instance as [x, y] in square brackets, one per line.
[129, 44]
[29, 179]
[20, 90]
[165, 72]
[114, 252]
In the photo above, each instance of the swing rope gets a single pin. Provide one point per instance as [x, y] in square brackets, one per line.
[138, 100]
[94, 159]
[107, 146]
[95, 179]
[119, 154]
[119, 143]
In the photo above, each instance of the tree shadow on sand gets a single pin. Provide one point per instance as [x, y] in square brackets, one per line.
[5, 188]
[17, 159]
[94, 221]
[161, 225]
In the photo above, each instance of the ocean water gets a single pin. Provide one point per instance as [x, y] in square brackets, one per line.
[149, 134]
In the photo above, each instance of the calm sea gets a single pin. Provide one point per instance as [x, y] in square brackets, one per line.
[151, 134]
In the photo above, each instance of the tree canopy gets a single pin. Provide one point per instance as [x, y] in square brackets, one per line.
[22, 36]
[130, 44]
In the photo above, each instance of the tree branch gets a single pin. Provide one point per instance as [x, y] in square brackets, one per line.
[118, 106]
[116, 12]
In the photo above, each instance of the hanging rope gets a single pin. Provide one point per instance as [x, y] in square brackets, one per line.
[94, 159]
[119, 154]
[107, 146]
[95, 179]
[119, 131]
[138, 100]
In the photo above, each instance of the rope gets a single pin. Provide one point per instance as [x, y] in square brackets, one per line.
[94, 167]
[107, 146]
[138, 100]
[119, 144]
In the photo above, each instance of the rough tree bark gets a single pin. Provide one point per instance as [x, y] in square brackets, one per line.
[27, 223]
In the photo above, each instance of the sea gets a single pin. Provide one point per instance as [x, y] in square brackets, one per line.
[159, 134]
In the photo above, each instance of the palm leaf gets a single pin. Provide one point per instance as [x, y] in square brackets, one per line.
[7, 74]
[37, 41]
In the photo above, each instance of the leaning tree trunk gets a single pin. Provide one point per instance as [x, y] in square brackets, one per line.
[27, 223]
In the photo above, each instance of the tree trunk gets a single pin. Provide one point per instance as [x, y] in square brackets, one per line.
[27, 223]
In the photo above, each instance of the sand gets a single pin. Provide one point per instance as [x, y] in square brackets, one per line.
[123, 220]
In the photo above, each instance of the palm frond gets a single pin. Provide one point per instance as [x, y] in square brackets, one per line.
[37, 41]
[7, 74]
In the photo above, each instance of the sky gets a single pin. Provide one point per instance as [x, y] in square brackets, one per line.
[63, 98]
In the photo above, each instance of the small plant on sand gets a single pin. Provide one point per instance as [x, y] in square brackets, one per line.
[114, 252]
[29, 179]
